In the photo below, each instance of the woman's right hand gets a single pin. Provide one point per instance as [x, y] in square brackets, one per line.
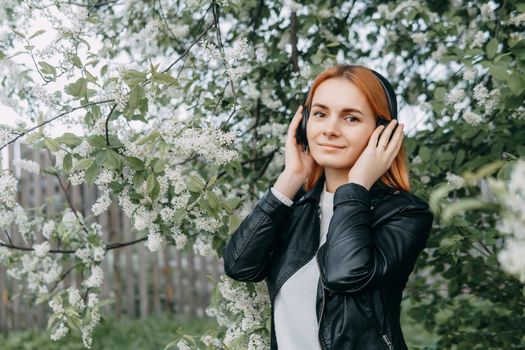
[296, 161]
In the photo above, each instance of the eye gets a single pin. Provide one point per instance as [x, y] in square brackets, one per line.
[317, 113]
[354, 118]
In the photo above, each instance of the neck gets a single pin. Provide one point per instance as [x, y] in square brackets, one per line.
[335, 178]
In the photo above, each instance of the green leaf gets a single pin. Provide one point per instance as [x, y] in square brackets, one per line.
[97, 141]
[84, 163]
[91, 173]
[101, 157]
[152, 136]
[194, 183]
[51, 144]
[499, 73]
[37, 33]
[116, 186]
[154, 193]
[491, 48]
[133, 77]
[69, 139]
[114, 159]
[90, 76]
[75, 60]
[138, 178]
[150, 182]
[164, 78]
[67, 163]
[516, 84]
[135, 96]
[19, 33]
[77, 89]
[213, 200]
[46, 68]
[424, 153]
[439, 93]
[134, 163]
[160, 166]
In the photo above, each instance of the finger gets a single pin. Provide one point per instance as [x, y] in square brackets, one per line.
[385, 136]
[294, 124]
[375, 135]
[397, 140]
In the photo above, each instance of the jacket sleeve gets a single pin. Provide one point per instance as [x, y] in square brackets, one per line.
[355, 257]
[248, 251]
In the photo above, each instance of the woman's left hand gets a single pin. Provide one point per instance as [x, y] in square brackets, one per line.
[374, 161]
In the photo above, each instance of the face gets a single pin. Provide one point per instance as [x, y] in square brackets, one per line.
[340, 116]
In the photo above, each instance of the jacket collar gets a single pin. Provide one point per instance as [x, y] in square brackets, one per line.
[314, 194]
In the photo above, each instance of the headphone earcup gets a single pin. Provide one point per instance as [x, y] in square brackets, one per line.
[304, 122]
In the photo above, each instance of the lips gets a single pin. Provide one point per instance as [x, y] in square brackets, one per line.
[328, 145]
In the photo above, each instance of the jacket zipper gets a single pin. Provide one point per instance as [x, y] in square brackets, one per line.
[322, 305]
[384, 336]
[322, 286]
[388, 342]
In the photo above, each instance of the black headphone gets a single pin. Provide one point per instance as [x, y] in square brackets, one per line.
[300, 134]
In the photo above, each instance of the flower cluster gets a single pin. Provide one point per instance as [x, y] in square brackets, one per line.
[512, 223]
[29, 165]
[8, 190]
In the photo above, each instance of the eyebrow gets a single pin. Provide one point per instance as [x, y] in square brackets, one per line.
[347, 109]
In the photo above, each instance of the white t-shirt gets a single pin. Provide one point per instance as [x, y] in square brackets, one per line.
[296, 326]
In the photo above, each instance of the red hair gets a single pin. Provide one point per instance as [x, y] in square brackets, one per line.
[397, 176]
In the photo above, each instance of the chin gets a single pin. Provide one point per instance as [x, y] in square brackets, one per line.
[332, 162]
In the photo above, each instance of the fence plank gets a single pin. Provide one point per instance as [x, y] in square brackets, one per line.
[169, 280]
[130, 276]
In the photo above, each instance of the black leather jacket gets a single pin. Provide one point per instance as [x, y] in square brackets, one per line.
[372, 244]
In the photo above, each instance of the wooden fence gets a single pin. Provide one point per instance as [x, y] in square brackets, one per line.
[140, 282]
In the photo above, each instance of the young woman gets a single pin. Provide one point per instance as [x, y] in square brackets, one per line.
[338, 234]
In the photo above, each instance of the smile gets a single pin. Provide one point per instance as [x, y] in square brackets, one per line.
[331, 147]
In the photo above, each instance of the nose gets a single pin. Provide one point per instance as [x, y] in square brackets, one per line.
[330, 127]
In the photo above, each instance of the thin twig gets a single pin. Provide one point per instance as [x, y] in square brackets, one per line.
[52, 119]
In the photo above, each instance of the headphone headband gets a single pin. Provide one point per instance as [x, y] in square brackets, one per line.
[387, 88]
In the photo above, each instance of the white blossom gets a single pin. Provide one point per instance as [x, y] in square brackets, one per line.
[29, 165]
[75, 299]
[440, 51]
[478, 39]
[517, 19]
[481, 93]
[8, 190]
[60, 332]
[472, 118]
[48, 228]
[208, 340]
[203, 245]
[257, 342]
[154, 242]
[77, 178]
[102, 204]
[41, 249]
[511, 258]
[6, 218]
[487, 11]
[469, 74]
[455, 180]
[92, 300]
[455, 96]
[69, 219]
[183, 345]
[96, 277]
[180, 239]
[4, 253]
[56, 306]
[419, 38]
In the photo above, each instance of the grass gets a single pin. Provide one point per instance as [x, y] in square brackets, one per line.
[151, 333]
